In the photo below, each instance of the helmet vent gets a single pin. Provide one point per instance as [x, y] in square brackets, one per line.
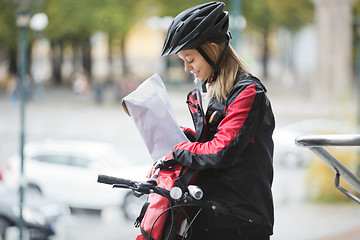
[178, 27]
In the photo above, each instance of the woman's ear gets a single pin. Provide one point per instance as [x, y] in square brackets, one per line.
[214, 45]
[216, 48]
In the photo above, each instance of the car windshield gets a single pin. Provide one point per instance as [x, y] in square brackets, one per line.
[79, 154]
[109, 159]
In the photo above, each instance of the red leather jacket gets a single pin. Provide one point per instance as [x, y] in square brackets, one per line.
[233, 149]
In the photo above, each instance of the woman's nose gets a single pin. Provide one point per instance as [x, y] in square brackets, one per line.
[187, 67]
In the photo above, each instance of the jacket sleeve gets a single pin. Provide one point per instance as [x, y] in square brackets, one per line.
[236, 130]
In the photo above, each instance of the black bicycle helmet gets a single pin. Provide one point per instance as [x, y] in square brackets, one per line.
[193, 26]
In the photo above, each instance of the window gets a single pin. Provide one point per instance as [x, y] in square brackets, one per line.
[67, 160]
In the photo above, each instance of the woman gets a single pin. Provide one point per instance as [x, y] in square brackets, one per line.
[232, 147]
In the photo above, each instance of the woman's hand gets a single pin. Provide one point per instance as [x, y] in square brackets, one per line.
[164, 163]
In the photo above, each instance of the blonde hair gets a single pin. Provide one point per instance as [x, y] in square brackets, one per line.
[229, 67]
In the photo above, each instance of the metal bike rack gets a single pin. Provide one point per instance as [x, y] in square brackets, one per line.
[316, 144]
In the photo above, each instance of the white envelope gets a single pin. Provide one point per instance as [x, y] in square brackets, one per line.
[150, 109]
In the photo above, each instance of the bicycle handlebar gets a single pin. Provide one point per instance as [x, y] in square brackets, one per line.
[151, 186]
[145, 187]
[186, 199]
[113, 180]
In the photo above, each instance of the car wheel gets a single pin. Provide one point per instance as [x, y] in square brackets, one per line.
[3, 225]
[132, 206]
[33, 190]
[38, 234]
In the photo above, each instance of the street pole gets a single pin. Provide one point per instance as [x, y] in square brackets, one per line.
[22, 122]
[23, 16]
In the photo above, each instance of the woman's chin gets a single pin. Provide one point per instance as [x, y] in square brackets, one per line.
[200, 79]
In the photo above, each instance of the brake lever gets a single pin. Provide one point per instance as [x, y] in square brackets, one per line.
[137, 194]
[144, 187]
[121, 186]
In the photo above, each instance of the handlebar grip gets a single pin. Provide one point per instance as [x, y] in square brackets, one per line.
[113, 180]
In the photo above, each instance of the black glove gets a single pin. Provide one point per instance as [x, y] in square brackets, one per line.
[164, 163]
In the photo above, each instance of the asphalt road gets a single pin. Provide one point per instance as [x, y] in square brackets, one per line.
[108, 224]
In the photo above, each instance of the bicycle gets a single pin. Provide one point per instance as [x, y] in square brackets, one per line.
[178, 223]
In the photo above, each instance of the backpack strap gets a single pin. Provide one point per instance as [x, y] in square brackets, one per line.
[194, 102]
[185, 177]
[138, 220]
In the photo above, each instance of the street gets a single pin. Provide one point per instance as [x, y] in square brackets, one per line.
[108, 224]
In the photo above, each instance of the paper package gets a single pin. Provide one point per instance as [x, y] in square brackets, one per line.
[150, 109]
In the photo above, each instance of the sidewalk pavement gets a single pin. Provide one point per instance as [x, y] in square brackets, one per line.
[309, 221]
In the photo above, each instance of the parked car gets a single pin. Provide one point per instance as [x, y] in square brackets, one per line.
[39, 214]
[288, 155]
[67, 171]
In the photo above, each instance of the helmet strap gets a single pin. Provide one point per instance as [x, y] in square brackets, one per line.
[216, 67]
[204, 86]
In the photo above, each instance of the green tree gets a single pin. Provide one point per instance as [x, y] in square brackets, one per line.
[266, 16]
[8, 32]
[75, 21]
[7, 24]
[70, 22]
[116, 18]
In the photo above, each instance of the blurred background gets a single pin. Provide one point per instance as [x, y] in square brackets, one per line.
[76, 60]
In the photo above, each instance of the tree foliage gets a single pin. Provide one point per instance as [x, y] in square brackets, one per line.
[357, 8]
[77, 20]
[291, 15]
[7, 25]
